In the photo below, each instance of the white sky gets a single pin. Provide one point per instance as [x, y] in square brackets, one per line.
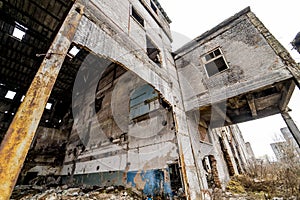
[190, 18]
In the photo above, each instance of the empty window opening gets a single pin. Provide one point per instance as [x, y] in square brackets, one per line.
[137, 16]
[175, 177]
[153, 6]
[214, 62]
[19, 31]
[10, 95]
[153, 52]
[73, 51]
[48, 106]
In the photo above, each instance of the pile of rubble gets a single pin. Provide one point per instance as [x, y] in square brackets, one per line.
[74, 193]
[253, 196]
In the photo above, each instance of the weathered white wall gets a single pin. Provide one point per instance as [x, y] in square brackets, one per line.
[108, 40]
[151, 143]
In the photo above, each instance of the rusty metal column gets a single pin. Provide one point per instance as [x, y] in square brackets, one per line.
[291, 126]
[18, 138]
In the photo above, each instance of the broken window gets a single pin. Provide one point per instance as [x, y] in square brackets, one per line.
[214, 62]
[48, 106]
[10, 95]
[73, 51]
[140, 101]
[153, 6]
[137, 16]
[175, 177]
[153, 52]
[19, 31]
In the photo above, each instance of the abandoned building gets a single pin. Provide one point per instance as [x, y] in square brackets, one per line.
[91, 93]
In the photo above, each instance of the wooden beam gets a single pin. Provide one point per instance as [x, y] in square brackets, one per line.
[251, 103]
[286, 95]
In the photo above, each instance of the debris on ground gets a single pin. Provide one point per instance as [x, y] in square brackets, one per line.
[75, 193]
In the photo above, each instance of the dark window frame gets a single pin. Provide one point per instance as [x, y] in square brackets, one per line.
[137, 17]
[154, 7]
[214, 62]
[153, 51]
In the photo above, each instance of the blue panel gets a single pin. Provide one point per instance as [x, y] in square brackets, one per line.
[155, 184]
[139, 110]
[142, 89]
[138, 98]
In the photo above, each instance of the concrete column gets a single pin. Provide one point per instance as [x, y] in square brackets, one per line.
[291, 126]
[192, 183]
[17, 141]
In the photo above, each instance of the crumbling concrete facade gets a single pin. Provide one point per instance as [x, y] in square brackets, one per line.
[139, 115]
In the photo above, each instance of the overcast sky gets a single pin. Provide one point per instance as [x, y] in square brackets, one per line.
[190, 18]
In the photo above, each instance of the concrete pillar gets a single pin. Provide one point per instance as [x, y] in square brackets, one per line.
[188, 163]
[291, 126]
[17, 141]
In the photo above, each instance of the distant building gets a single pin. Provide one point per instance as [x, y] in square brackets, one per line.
[250, 151]
[288, 149]
[290, 139]
[279, 149]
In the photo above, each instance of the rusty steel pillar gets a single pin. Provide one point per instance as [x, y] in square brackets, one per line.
[18, 138]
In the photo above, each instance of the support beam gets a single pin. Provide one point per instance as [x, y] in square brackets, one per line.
[17, 141]
[251, 104]
[291, 126]
[192, 182]
[287, 93]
